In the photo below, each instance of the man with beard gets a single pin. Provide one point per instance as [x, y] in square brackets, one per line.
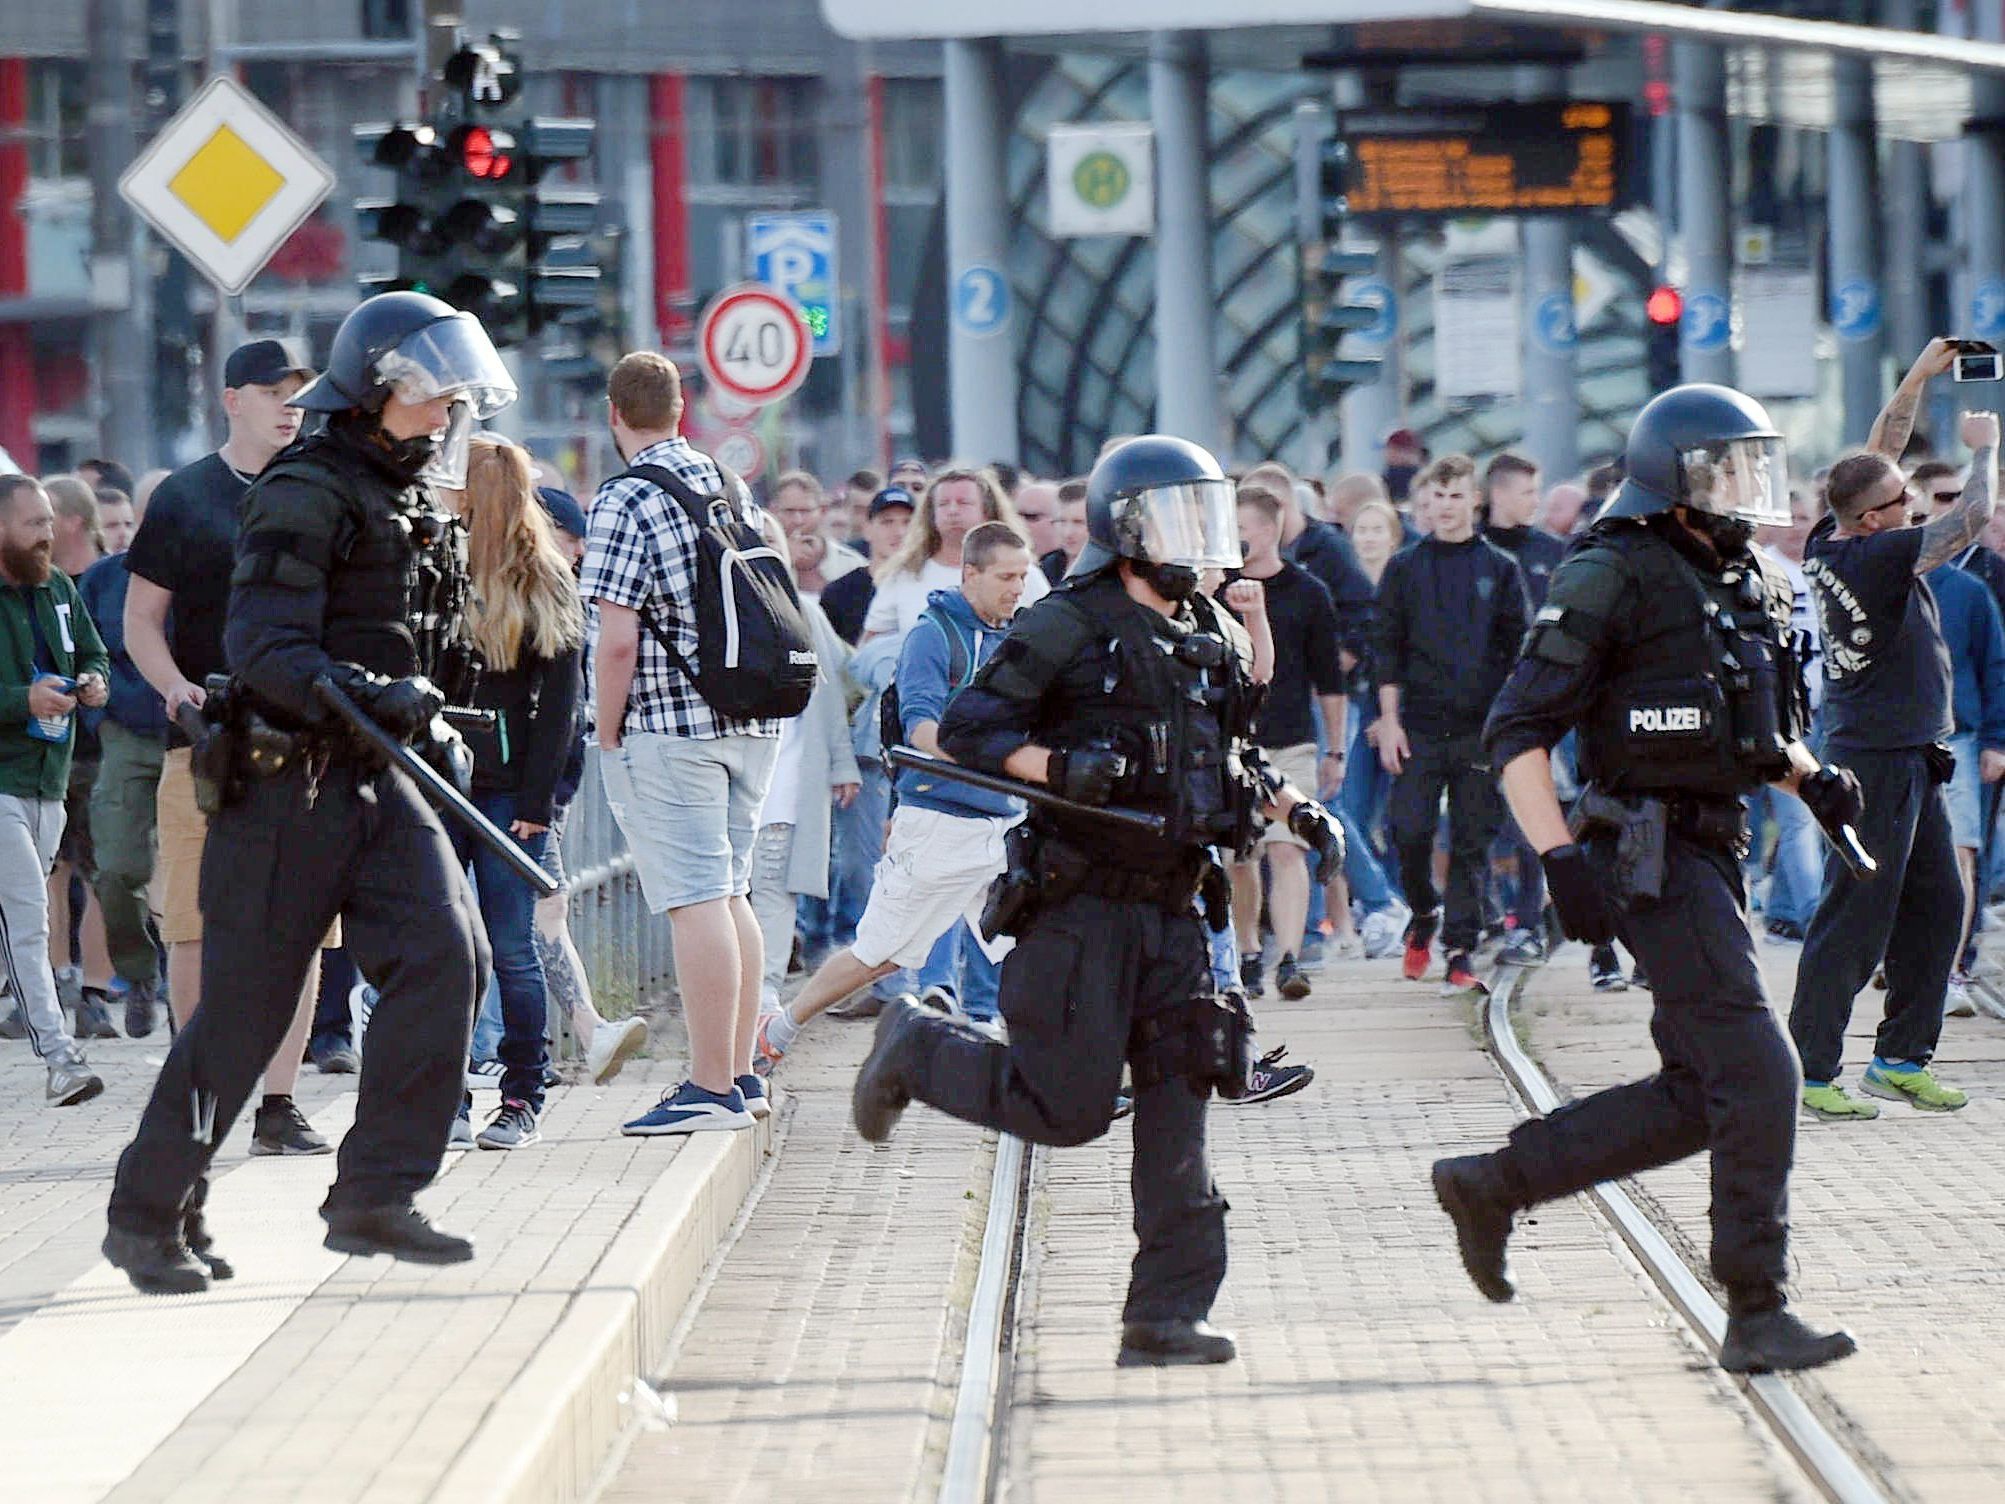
[348, 574]
[51, 661]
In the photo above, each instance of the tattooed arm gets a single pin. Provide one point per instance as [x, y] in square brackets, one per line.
[1895, 424]
[1963, 524]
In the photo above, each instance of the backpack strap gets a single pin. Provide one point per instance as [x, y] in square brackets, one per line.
[696, 507]
[960, 655]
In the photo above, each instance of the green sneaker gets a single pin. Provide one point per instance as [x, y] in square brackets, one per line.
[1829, 1103]
[1915, 1086]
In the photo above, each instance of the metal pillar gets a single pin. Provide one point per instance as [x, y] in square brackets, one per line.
[1852, 242]
[1551, 339]
[121, 325]
[849, 170]
[1905, 195]
[1312, 126]
[981, 349]
[1983, 206]
[1372, 411]
[1704, 216]
[1187, 376]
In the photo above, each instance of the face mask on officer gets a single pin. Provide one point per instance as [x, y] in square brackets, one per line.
[1731, 488]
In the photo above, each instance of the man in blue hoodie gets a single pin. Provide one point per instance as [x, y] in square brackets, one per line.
[946, 843]
[1972, 629]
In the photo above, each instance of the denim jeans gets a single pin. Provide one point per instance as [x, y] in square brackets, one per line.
[859, 842]
[1366, 791]
[508, 910]
[959, 962]
[1799, 861]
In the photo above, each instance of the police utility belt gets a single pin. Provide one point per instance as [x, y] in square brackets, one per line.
[1641, 825]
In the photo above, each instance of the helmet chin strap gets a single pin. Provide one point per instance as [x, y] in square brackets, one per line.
[1728, 535]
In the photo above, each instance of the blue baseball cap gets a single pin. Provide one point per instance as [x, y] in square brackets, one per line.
[563, 509]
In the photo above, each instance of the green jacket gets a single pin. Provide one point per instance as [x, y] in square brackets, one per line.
[31, 768]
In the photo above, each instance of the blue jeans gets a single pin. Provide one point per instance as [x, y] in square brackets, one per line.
[508, 909]
[858, 843]
[1799, 861]
[1363, 799]
[959, 962]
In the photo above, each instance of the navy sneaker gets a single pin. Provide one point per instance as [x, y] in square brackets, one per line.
[753, 1089]
[691, 1109]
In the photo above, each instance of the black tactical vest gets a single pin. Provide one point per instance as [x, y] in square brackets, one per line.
[1170, 695]
[397, 580]
[1702, 696]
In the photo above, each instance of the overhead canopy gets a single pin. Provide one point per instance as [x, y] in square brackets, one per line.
[1778, 67]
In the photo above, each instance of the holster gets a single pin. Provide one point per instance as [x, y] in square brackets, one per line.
[1208, 1041]
[1641, 828]
[1014, 900]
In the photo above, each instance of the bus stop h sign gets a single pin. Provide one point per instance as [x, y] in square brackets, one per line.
[754, 344]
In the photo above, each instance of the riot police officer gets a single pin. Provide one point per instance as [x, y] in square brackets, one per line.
[1663, 641]
[348, 570]
[1123, 687]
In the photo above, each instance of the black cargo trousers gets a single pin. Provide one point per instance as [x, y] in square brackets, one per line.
[1729, 1081]
[1070, 992]
[276, 870]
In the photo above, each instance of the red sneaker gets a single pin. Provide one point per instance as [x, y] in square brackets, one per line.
[1461, 978]
[1419, 956]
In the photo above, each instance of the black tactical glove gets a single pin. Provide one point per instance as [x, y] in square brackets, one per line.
[1833, 795]
[402, 707]
[1579, 895]
[446, 750]
[1086, 775]
[1309, 821]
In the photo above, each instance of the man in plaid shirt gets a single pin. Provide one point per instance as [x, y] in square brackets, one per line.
[685, 783]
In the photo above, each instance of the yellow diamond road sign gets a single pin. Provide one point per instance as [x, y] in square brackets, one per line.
[227, 183]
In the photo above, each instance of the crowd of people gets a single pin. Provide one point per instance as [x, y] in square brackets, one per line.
[1390, 605]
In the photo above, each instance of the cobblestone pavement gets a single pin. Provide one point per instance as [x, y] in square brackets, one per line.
[824, 1351]
[1896, 1230]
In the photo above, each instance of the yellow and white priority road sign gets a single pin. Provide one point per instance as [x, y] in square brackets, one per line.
[226, 182]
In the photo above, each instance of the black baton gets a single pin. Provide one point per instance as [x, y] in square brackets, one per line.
[1033, 793]
[436, 788]
[1852, 852]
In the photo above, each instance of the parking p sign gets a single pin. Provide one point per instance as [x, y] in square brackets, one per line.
[796, 253]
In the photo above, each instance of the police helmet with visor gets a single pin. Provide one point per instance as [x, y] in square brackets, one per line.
[1711, 449]
[419, 349]
[1159, 501]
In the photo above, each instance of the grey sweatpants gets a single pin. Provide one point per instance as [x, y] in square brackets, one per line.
[30, 830]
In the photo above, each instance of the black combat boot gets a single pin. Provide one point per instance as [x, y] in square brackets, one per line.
[156, 1263]
[399, 1230]
[1770, 1339]
[1173, 1344]
[195, 1233]
[1472, 1192]
[881, 1091]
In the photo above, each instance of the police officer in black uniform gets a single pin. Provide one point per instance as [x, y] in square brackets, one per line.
[347, 569]
[1123, 687]
[1663, 640]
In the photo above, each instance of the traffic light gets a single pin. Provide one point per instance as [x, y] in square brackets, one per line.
[473, 221]
[1329, 310]
[1662, 311]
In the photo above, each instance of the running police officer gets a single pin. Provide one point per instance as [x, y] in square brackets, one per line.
[346, 570]
[1662, 640]
[1124, 687]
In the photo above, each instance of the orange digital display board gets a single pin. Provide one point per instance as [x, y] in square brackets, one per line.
[1558, 158]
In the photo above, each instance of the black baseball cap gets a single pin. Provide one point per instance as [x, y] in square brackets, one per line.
[263, 362]
[889, 497]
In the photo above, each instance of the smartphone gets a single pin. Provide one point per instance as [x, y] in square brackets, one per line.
[1979, 367]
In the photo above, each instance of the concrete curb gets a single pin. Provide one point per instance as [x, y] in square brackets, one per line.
[544, 1440]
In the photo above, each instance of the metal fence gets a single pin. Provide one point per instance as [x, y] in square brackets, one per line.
[625, 948]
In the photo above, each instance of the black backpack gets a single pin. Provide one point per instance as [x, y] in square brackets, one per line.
[755, 654]
[960, 671]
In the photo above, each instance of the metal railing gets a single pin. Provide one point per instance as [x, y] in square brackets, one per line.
[626, 950]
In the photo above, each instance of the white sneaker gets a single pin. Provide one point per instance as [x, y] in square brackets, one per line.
[461, 1136]
[1957, 1001]
[1384, 929]
[613, 1045]
[485, 1075]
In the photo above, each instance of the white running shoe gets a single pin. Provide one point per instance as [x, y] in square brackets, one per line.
[613, 1045]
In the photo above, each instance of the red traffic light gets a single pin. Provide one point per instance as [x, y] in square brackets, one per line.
[488, 155]
[1665, 307]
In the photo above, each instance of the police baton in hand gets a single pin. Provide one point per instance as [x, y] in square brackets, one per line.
[1033, 793]
[436, 788]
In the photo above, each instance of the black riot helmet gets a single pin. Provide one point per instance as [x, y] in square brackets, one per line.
[1159, 501]
[1709, 448]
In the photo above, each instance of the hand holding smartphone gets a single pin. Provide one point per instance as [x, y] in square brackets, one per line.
[1977, 360]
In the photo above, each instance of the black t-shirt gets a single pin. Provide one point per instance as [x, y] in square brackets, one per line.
[1304, 623]
[1886, 667]
[187, 545]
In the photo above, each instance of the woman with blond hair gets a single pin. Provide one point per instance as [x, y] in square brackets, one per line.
[955, 504]
[527, 622]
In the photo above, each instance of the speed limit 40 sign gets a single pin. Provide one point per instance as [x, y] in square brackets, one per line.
[754, 344]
